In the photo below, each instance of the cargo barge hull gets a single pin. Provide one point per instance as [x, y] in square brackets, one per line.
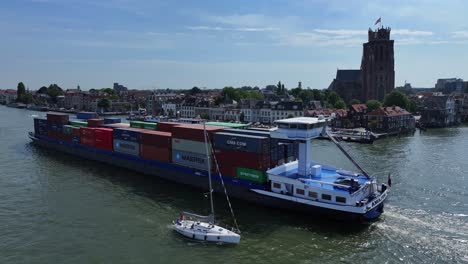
[237, 188]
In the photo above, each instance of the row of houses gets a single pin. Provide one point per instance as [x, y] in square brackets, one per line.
[8, 96]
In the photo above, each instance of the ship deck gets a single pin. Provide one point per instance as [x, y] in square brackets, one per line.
[327, 176]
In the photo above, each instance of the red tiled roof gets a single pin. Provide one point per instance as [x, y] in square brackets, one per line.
[389, 111]
[359, 107]
[326, 112]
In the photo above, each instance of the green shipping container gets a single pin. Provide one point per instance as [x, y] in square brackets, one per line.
[251, 175]
[79, 123]
[148, 125]
[67, 129]
[136, 124]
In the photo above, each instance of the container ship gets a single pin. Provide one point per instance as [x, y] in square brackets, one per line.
[272, 167]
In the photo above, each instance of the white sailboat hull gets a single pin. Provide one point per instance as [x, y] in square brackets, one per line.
[206, 232]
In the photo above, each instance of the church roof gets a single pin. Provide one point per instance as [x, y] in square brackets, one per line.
[348, 75]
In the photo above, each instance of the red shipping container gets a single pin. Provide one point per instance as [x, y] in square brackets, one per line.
[75, 131]
[87, 132]
[194, 132]
[243, 159]
[155, 153]
[156, 138]
[228, 170]
[103, 133]
[96, 122]
[57, 118]
[103, 144]
[87, 140]
[167, 126]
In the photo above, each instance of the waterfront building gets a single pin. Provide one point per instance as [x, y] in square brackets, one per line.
[282, 110]
[232, 114]
[8, 96]
[437, 111]
[187, 109]
[76, 99]
[390, 119]
[376, 77]
[356, 115]
[172, 107]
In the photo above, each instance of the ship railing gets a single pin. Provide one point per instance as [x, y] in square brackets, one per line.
[325, 183]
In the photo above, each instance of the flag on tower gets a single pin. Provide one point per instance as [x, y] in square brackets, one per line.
[378, 21]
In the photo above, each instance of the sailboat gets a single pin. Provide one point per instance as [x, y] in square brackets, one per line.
[203, 228]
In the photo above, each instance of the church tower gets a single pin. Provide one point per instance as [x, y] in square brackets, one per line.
[377, 66]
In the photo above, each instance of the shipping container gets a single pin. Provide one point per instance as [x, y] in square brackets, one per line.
[127, 134]
[251, 175]
[103, 144]
[150, 125]
[68, 129]
[76, 131]
[151, 152]
[156, 138]
[136, 124]
[86, 115]
[76, 139]
[190, 146]
[247, 143]
[248, 132]
[194, 132]
[117, 125]
[55, 127]
[227, 169]
[78, 123]
[190, 159]
[126, 147]
[57, 118]
[103, 138]
[87, 132]
[87, 140]
[40, 126]
[243, 159]
[112, 120]
[95, 122]
[167, 126]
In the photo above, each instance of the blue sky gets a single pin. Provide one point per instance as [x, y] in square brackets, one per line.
[180, 44]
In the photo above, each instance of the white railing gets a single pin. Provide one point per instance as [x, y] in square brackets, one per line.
[325, 183]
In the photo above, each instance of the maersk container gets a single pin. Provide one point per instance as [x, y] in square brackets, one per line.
[86, 115]
[190, 146]
[127, 134]
[239, 142]
[127, 147]
[251, 175]
[112, 120]
[190, 159]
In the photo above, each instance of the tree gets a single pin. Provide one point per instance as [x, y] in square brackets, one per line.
[396, 98]
[354, 101]
[412, 107]
[195, 90]
[317, 94]
[27, 98]
[242, 117]
[340, 104]
[372, 105]
[373, 125]
[333, 98]
[290, 116]
[21, 91]
[42, 90]
[54, 90]
[104, 103]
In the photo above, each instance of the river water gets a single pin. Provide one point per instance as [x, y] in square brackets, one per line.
[56, 208]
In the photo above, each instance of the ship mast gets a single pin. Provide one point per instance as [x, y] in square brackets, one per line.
[209, 171]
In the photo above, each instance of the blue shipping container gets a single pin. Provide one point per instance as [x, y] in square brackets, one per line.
[76, 140]
[40, 126]
[127, 134]
[86, 115]
[55, 127]
[111, 120]
[239, 142]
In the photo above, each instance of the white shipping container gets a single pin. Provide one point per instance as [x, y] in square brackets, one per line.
[190, 146]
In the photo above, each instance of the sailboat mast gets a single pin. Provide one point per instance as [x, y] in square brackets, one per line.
[209, 170]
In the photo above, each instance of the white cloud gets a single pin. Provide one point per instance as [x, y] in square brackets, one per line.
[244, 29]
[408, 32]
[460, 34]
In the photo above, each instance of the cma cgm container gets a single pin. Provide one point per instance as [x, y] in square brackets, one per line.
[86, 115]
[194, 132]
[239, 142]
[57, 118]
[167, 126]
[112, 120]
[103, 138]
[126, 147]
[127, 134]
[190, 146]
[190, 159]
[95, 122]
